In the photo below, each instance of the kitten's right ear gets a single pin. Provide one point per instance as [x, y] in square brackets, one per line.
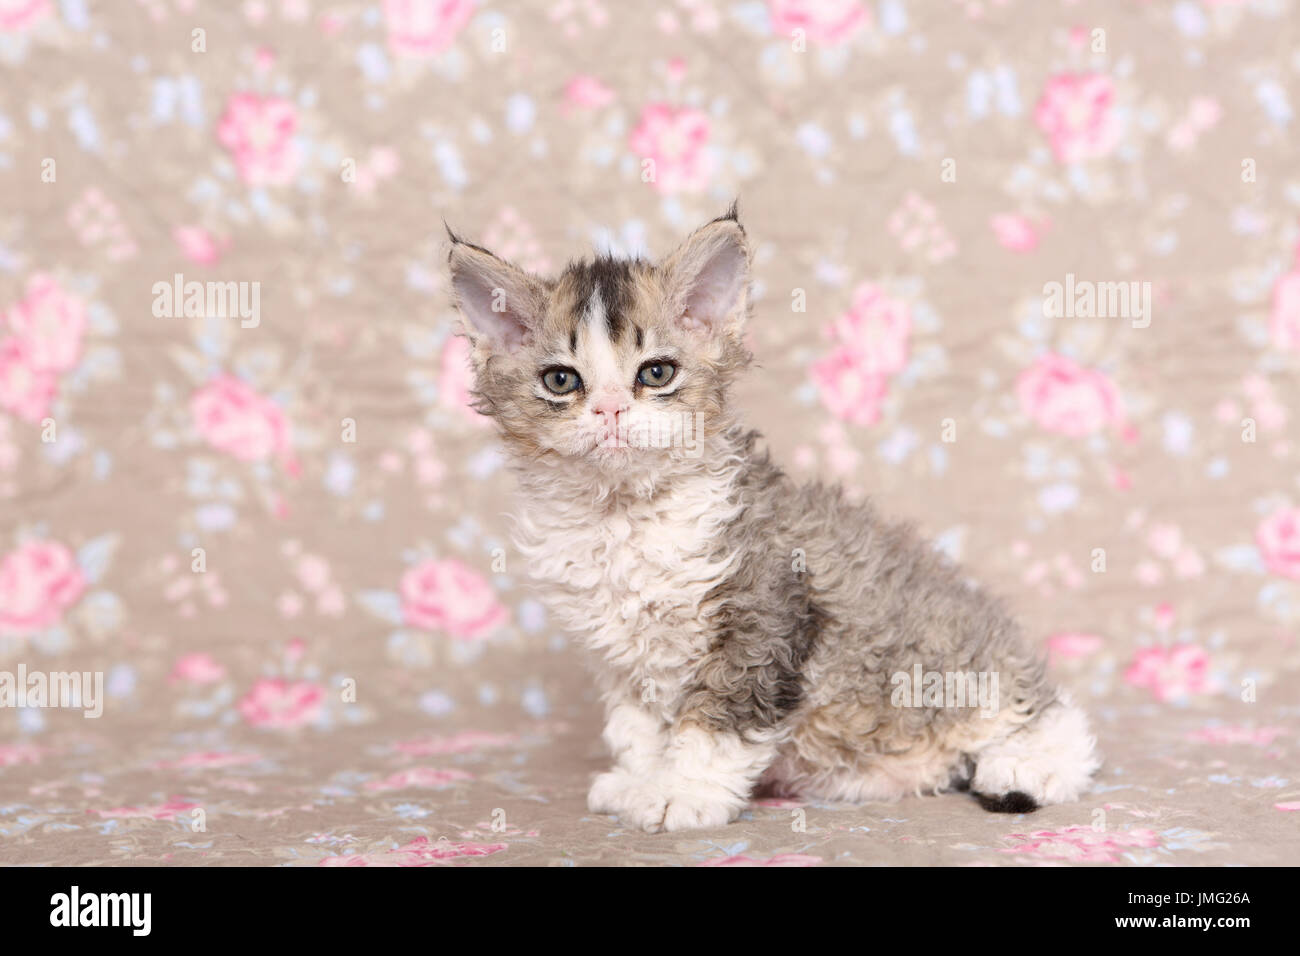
[502, 304]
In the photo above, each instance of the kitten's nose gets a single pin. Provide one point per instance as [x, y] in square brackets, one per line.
[609, 406]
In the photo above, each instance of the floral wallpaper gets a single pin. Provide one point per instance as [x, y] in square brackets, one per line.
[1027, 272]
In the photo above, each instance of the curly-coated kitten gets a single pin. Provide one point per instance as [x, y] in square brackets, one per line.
[751, 632]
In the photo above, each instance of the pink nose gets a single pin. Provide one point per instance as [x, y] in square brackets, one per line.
[609, 407]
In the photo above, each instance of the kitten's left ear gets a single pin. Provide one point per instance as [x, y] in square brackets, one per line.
[708, 277]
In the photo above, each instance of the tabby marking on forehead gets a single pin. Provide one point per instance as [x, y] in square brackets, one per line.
[611, 280]
[600, 350]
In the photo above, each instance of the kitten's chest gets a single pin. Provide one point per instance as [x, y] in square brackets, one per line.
[630, 578]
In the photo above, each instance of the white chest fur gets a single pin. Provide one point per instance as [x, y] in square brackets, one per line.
[629, 573]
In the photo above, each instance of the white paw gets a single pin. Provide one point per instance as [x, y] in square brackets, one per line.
[1051, 759]
[693, 810]
[636, 802]
[662, 804]
[608, 791]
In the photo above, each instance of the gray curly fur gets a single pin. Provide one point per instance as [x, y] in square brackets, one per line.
[875, 599]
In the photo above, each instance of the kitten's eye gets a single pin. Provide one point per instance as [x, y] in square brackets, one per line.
[656, 374]
[560, 381]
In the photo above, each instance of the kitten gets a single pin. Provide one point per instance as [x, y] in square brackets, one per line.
[751, 633]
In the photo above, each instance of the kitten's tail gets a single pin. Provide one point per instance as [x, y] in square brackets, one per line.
[1050, 759]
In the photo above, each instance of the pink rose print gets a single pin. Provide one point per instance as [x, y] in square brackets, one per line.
[585, 92]
[877, 329]
[198, 245]
[1082, 844]
[1278, 540]
[849, 392]
[830, 22]
[447, 595]
[381, 163]
[16, 15]
[1284, 320]
[424, 28]
[1163, 617]
[1203, 113]
[197, 669]
[1257, 736]
[313, 572]
[677, 143]
[25, 390]
[1065, 398]
[1014, 232]
[51, 323]
[97, 223]
[457, 379]
[419, 852]
[464, 742]
[234, 419]
[1076, 113]
[163, 811]
[781, 859]
[917, 226]
[276, 704]
[1072, 645]
[207, 760]
[1265, 406]
[872, 344]
[1171, 673]
[259, 134]
[419, 777]
[11, 755]
[39, 580]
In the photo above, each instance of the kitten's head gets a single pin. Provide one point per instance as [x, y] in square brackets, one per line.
[615, 363]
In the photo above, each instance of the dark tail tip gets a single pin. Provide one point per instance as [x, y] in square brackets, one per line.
[1013, 801]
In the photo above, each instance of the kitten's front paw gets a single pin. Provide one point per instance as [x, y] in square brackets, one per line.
[692, 810]
[634, 801]
[666, 804]
[604, 793]
[609, 791]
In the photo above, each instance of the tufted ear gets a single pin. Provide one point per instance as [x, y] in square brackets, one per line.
[708, 276]
[502, 305]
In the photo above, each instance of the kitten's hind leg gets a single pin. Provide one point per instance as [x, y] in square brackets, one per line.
[1048, 760]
